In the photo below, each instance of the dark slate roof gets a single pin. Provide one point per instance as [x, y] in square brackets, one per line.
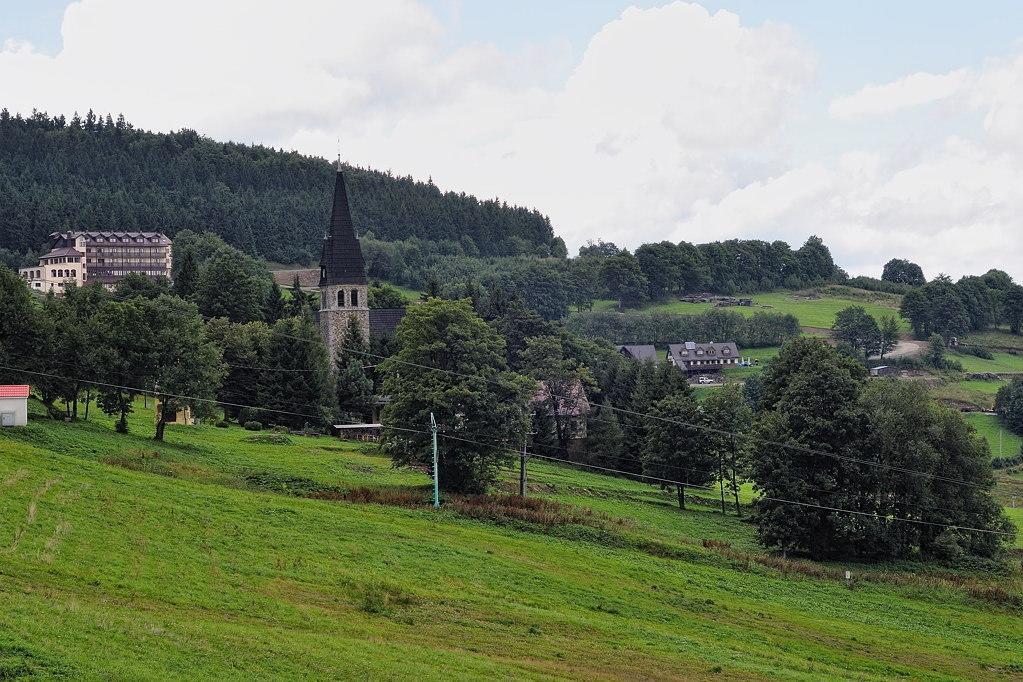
[643, 352]
[383, 321]
[690, 350]
[341, 259]
[63, 251]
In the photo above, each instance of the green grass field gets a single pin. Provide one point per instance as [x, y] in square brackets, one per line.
[818, 312]
[1002, 441]
[121, 558]
[1002, 363]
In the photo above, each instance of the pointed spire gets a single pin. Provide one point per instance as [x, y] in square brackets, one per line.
[341, 259]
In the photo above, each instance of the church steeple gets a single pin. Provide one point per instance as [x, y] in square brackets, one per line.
[341, 259]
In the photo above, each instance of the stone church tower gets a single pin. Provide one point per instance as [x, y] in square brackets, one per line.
[343, 290]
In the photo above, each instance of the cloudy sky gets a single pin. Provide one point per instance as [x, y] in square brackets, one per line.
[890, 129]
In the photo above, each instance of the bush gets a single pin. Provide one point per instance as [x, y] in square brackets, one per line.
[248, 414]
[222, 424]
[1006, 462]
[253, 426]
[948, 545]
[268, 439]
[976, 351]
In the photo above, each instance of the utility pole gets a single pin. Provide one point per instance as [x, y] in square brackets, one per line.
[436, 472]
[522, 466]
[721, 481]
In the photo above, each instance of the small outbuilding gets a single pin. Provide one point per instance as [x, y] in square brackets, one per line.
[883, 371]
[13, 405]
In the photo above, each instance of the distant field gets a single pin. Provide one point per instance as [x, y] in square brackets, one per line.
[1003, 442]
[978, 393]
[996, 338]
[818, 312]
[1002, 363]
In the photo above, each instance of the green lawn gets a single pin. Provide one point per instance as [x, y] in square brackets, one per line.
[199, 558]
[1002, 441]
[1001, 363]
[818, 312]
[764, 355]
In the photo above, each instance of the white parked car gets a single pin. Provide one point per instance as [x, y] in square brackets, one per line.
[705, 380]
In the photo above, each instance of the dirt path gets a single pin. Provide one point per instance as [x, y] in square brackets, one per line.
[907, 348]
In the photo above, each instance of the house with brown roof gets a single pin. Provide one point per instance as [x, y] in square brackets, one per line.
[693, 357]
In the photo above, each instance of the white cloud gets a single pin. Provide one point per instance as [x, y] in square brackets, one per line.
[663, 108]
[675, 122]
[910, 91]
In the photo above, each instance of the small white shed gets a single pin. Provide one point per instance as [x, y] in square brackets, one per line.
[13, 405]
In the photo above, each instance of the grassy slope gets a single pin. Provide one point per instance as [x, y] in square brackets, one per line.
[988, 426]
[116, 573]
[810, 313]
[1001, 363]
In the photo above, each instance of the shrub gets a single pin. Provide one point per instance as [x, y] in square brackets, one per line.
[976, 351]
[268, 439]
[247, 414]
[253, 426]
[222, 424]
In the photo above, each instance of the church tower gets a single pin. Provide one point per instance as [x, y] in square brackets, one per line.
[343, 290]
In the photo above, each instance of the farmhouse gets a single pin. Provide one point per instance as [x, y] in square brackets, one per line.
[13, 405]
[641, 353]
[690, 356]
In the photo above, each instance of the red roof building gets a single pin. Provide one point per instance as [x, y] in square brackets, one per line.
[14, 391]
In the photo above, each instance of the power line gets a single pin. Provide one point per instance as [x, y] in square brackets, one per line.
[509, 449]
[702, 427]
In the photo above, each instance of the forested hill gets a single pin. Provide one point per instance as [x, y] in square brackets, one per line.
[98, 173]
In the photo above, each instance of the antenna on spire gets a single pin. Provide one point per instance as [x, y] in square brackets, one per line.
[338, 168]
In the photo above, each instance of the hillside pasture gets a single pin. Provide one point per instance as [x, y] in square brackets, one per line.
[210, 556]
[812, 309]
[1003, 443]
[1001, 362]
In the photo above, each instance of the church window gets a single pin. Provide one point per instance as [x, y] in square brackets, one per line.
[340, 298]
[355, 298]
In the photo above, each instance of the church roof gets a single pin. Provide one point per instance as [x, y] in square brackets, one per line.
[341, 259]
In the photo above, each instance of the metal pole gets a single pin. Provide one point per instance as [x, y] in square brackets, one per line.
[522, 467]
[436, 473]
[721, 481]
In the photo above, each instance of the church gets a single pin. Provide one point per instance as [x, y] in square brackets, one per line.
[344, 290]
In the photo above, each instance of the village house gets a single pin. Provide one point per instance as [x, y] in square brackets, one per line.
[98, 256]
[642, 353]
[13, 405]
[692, 357]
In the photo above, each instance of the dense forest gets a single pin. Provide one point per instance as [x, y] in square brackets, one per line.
[100, 173]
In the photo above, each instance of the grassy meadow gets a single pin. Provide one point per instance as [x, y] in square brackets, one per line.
[208, 557]
[997, 436]
[1001, 363]
[818, 312]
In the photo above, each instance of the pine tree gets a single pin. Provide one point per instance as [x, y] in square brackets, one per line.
[186, 275]
[354, 386]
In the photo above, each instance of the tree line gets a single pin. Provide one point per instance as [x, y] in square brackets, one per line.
[100, 173]
[845, 467]
[493, 372]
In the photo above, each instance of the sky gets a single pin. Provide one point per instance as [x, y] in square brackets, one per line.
[890, 129]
